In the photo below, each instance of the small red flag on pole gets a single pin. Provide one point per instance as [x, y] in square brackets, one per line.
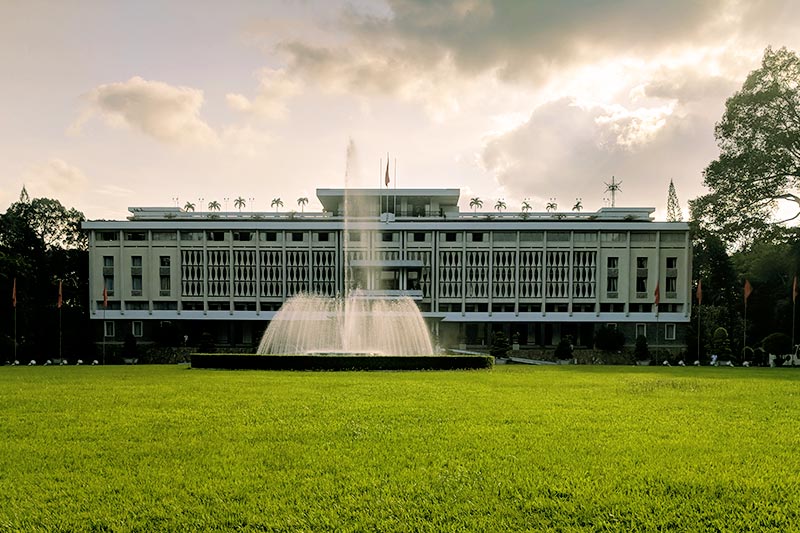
[386, 179]
[657, 294]
[747, 290]
[105, 297]
[699, 292]
[14, 294]
[60, 298]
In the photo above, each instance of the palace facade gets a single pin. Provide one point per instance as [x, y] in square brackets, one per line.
[537, 276]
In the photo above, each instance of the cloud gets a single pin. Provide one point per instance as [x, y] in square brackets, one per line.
[167, 113]
[56, 178]
[246, 140]
[570, 151]
[275, 88]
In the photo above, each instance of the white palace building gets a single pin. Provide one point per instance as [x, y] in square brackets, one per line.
[538, 277]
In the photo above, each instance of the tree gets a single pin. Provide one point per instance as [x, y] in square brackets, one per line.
[777, 344]
[188, 207]
[500, 346]
[673, 206]
[500, 205]
[722, 345]
[214, 206]
[526, 206]
[276, 203]
[641, 351]
[759, 162]
[475, 204]
[551, 205]
[302, 203]
[239, 203]
[578, 205]
[564, 348]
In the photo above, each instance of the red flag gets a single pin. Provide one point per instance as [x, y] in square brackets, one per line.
[386, 179]
[657, 294]
[747, 290]
[794, 290]
[14, 294]
[105, 298]
[699, 292]
[60, 299]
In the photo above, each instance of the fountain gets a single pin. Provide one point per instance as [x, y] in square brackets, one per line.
[353, 325]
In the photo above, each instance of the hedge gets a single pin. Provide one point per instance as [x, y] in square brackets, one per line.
[340, 362]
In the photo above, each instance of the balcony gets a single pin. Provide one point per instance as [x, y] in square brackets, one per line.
[390, 294]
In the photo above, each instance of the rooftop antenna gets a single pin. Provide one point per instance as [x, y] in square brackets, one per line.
[613, 187]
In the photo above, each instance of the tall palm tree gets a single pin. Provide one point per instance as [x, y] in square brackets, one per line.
[578, 205]
[526, 206]
[302, 203]
[551, 205]
[476, 203]
[188, 207]
[240, 203]
[276, 203]
[500, 205]
[214, 206]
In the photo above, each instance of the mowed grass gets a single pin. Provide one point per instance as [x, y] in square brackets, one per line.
[514, 448]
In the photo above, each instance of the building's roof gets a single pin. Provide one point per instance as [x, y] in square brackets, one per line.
[331, 198]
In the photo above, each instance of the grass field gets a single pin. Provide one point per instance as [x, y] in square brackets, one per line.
[514, 448]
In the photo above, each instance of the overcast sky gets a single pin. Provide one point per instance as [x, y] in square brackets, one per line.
[105, 105]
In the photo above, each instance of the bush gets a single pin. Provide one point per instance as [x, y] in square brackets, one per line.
[722, 345]
[206, 343]
[777, 344]
[564, 348]
[609, 339]
[500, 346]
[641, 350]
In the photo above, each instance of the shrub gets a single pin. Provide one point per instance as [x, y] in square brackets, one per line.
[777, 344]
[609, 339]
[206, 343]
[500, 346]
[564, 348]
[722, 345]
[641, 350]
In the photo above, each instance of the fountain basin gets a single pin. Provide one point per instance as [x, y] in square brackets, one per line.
[340, 361]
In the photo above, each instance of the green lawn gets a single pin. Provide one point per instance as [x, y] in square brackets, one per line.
[513, 448]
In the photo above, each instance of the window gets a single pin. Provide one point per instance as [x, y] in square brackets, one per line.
[135, 235]
[672, 262]
[580, 236]
[164, 276]
[673, 237]
[108, 274]
[269, 236]
[612, 325]
[298, 236]
[641, 262]
[136, 275]
[418, 237]
[612, 286]
[165, 236]
[669, 332]
[107, 235]
[504, 236]
[136, 328]
[354, 236]
[477, 236]
[450, 236]
[641, 330]
[323, 236]
[613, 236]
[643, 237]
[215, 235]
[531, 236]
[387, 236]
[612, 279]
[191, 235]
[672, 285]
[641, 285]
[242, 235]
[558, 236]
[108, 328]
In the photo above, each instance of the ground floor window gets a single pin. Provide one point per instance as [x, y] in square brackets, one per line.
[136, 328]
[669, 332]
[641, 330]
[108, 328]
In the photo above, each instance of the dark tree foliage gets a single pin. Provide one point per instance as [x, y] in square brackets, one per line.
[641, 350]
[500, 346]
[40, 244]
[759, 161]
[722, 344]
[777, 344]
[564, 349]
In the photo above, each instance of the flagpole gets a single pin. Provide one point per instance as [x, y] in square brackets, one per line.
[103, 330]
[395, 186]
